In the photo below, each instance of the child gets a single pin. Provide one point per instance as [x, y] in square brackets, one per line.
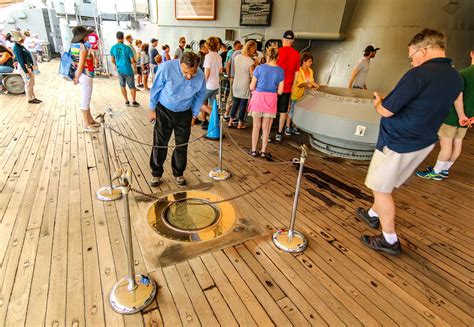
[304, 79]
[266, 84]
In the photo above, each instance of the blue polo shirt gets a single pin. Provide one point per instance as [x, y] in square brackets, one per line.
[174, 91]
[419, 103]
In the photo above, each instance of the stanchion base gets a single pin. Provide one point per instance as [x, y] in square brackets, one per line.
[219, 174]
[298, 242]
[105, 194]
[125, 301]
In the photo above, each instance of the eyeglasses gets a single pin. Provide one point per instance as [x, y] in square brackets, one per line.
[410, 56]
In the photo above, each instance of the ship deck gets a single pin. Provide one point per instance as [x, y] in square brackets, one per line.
[61, 250]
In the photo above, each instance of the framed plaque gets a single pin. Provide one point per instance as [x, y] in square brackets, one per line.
[195, 9]
[256, 12]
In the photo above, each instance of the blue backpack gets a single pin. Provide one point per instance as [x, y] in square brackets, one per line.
[66, 67]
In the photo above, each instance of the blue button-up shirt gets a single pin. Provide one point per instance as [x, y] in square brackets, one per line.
[174, 91]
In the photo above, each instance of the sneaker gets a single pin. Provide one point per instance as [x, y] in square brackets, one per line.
[155, 181]
[135, 104]
[269, 138]
[444, 173]
[127, 103]
[378, 243]
[89, 129]
[288, 131]
[363, 215]
[429, 174]
[226, 118]
[180, 180]
[278, 137]
[296, 131]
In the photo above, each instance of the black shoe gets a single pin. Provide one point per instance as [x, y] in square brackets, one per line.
[37, 100]
[155, 181]
[127, 103]
[33, 101]
[363, 214]
[378, 243]
[180, 180]
[205, 124]
[135, 104]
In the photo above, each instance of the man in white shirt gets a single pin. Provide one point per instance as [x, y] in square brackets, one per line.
[361, 70]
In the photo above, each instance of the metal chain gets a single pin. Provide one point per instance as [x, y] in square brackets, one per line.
[157, 146]
[187, 203]
[253, 158]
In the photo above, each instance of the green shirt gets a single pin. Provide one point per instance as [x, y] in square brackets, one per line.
[467, 75]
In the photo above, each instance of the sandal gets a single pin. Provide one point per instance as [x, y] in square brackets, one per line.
[241, 126]
[253, 153]
[266, 155]
[263, 154]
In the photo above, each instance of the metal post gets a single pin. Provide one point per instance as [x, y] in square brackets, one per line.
[218, 173]
[133, 292]
[110, 192]
[290, 240]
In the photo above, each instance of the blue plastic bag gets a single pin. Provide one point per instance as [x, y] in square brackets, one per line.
[66, 67]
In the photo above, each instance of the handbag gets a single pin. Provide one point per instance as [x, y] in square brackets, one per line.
[66, 66]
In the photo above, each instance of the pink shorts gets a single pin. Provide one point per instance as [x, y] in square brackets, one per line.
[263, 102]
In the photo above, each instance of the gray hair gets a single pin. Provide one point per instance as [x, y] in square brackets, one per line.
[428, 38]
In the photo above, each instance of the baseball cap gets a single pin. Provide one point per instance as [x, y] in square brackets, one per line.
[371, 48]
[153, 40]
[289, 35]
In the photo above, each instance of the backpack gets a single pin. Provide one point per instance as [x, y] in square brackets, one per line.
[66, 67]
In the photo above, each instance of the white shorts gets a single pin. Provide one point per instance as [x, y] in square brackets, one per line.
[85, 82]
[390, 169]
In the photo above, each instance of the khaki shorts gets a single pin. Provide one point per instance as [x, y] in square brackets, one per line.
[451, 132]
[389, 169]
[257, 114]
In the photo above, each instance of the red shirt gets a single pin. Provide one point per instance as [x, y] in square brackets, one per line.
[289, 60]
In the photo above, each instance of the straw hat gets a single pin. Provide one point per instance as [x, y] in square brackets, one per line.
[80, 32]
[17, 36]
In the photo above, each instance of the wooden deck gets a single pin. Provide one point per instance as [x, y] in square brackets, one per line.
[61, 250]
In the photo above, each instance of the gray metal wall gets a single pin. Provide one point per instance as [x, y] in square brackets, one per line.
[390, 24]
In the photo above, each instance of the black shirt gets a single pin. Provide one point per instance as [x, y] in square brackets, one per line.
[420, 102]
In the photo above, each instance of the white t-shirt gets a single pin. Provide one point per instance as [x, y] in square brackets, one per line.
[214, 62]
[28, 44]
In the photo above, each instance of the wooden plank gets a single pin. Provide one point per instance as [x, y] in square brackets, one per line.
[166, 304]
[220, 307]
[196, 295]
[276, 314]
[248, 298]
[181, 298]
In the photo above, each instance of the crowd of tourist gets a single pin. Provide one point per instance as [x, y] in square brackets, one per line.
[432, 101]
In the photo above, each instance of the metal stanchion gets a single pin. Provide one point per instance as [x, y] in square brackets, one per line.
[290, 240]
[218, 173]
[133, 292]
[110, 192]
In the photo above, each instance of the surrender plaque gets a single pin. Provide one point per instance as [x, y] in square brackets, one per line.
[195, 9]
[255, 12]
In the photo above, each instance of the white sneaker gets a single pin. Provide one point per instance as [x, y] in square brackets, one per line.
[89, 129]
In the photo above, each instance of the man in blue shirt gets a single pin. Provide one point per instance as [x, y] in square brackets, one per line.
[411, 116]
[123, 59]
[176, 98]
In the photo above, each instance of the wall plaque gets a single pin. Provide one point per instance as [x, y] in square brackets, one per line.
[195, 9]
[255, 12]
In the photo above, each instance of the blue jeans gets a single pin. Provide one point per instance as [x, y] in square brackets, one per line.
[241, 105]
[5, 69]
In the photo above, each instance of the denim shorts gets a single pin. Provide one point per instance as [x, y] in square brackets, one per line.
[127, 79]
